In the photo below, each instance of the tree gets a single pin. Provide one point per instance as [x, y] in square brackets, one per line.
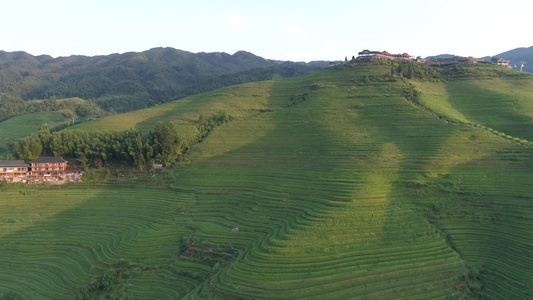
[201, 120]
[138, 158]
[45, 137]
[29, 148]
[171, 144]
[410, 71]
[494, 60]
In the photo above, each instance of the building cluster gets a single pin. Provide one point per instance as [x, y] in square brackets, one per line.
[384, 55]
[42, 169]
[366, 55]
[458, 60]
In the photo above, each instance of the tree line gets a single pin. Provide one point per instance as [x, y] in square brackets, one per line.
[162, 145]
[11, 105]
[415, 70]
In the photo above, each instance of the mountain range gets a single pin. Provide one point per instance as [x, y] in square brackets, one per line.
[124, 82]
[134, 80]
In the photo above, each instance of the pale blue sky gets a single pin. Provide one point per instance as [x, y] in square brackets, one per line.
[298, 30]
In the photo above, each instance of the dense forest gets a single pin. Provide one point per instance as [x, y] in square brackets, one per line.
[163, 145]
[13, 105]
[135, 80]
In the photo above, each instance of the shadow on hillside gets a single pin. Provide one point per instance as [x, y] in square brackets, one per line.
[442, 181]
[406, 140]
[483, 209]
[507, 110]
[298, 176]
[112, 230]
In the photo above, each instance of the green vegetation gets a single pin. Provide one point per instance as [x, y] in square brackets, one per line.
[360, 181]
[67, 253]
[163, 145]
[21, 126]
[135, 80]
[11, 106]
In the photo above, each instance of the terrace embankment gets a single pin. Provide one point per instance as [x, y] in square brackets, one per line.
[340, 189]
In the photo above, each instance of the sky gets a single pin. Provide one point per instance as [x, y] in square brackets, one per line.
[296, 30]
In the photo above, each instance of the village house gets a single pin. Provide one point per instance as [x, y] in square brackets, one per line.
[74, 174]
[52, 169]
[13, 170]
[48, 168]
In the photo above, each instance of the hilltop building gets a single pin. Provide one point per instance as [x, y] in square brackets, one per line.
[367, 55]
[455, 60]
[505, 63]
[13, 170]
[384, 55]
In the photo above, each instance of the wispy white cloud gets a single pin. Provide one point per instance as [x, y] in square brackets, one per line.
[236, 21]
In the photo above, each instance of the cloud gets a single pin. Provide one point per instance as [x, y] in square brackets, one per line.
[235, 21]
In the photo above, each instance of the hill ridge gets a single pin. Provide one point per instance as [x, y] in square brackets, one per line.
[128, 81]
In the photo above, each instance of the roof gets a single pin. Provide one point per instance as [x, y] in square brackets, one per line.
[48, 159]
[13, 163]
[74, 170]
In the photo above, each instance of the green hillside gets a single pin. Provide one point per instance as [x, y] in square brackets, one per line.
[354, 182]
[20, 126]
[499, 103]
[135, 80]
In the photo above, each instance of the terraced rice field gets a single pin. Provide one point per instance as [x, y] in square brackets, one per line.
[340, 189]
[55, 242]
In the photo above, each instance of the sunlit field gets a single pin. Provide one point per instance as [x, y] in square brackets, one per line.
[331, 186]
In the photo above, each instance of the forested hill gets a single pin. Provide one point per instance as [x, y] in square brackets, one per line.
[129, 81]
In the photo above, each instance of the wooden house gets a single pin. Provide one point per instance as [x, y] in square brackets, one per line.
[13, 170]
[48, 168]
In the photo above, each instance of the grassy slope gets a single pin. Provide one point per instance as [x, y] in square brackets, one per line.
[339, 188]
[499, 103]
[54, 242]
[487, 208]
[24, 125]
[238, 101]
[326, 172]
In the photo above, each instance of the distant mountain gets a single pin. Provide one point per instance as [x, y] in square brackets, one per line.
[129, 81]
[517, 55]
